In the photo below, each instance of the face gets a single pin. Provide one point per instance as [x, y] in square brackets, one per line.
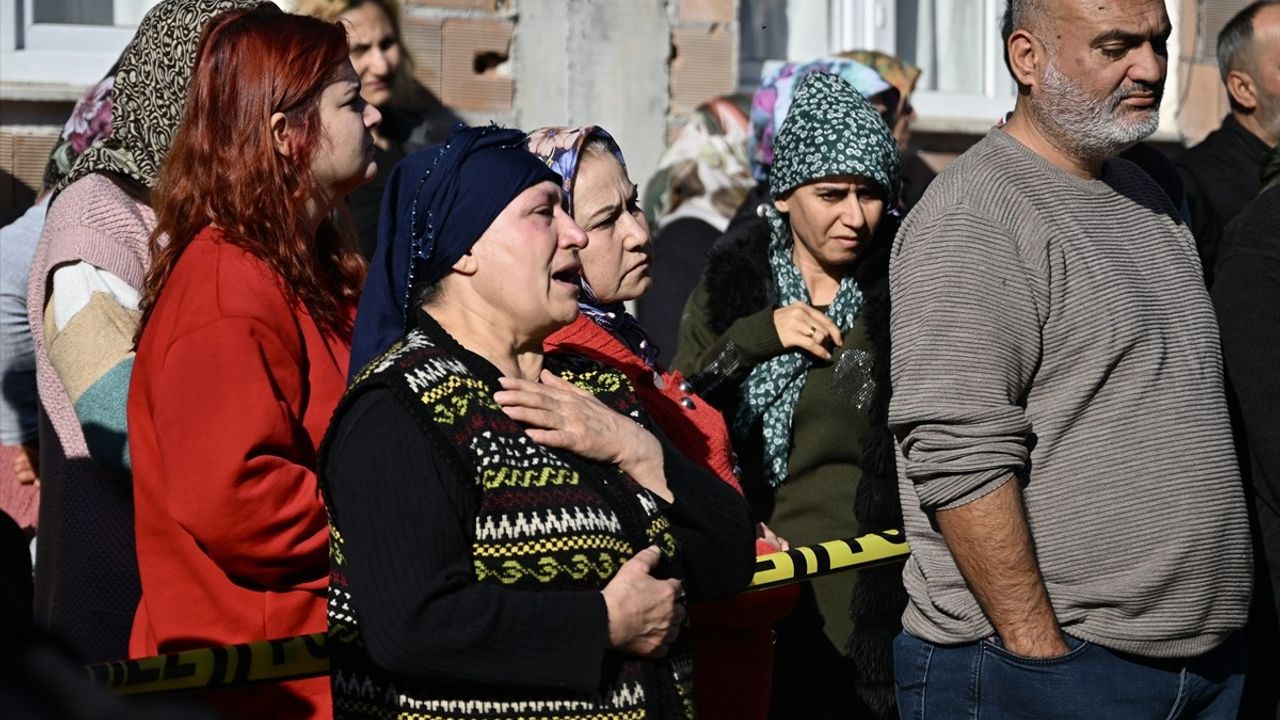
[1103, 74]
[616, 262]
[526, 264]
[833, 219]
[344, 159]
[375, 50]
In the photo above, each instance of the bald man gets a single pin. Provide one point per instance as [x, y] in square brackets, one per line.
[1220, 174]
[1080, 543]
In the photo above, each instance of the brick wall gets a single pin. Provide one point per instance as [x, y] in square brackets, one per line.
[23, 154]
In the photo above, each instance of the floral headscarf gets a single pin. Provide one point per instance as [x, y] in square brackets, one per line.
[772, 100]
[90, 119]
[896, 71]
[708, 157]
[150, 91]
[561, 149]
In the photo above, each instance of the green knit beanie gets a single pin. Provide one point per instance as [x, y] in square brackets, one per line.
[832, 130]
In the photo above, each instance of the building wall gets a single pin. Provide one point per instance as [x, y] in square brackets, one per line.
[635, 67]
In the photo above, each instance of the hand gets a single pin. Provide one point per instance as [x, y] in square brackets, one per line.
[644, 613]
[26, 463]
[800, 326]
[1045, 644]
[561, 415]
[773, 540]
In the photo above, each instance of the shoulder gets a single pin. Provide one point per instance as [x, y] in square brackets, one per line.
[1253, 230]
[96, 200]
[738, 280]
[234, 282]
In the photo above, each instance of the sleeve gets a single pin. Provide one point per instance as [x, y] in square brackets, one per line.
[966, 340]
[407, 522]
[1201, 218]
[18, 400]
[90, 322]
[710, 361]
[712, 524]
[237, 461]
[1250, 328]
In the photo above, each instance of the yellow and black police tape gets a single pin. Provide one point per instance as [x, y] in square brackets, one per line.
[308, 655]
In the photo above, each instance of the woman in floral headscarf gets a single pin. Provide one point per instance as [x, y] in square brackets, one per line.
[788, 335]
[83, 304]
[701, 179]
[731, 640]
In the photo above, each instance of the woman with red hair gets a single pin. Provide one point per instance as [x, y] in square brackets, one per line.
[242, 354]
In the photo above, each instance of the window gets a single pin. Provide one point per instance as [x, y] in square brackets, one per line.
[53, 48]
[956, 42]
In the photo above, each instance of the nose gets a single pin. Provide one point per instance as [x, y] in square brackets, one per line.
[377, 61]
[1148, 66]
[571, 233]
[636, 231]
[372, 116]
[853, 217]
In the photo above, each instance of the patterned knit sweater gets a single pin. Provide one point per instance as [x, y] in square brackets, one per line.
[547, 521]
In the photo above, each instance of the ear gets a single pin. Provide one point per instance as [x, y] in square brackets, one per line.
[280, 134]
[781, 205]
[467, 264]
[1027, 56]
[1242, 89]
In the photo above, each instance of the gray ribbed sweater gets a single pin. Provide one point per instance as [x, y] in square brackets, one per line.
[1059, 329]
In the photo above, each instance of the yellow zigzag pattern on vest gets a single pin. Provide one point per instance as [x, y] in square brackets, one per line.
[447, 407]
[546, 568]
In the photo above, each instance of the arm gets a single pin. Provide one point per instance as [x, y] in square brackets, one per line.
[407, 523]
[1250, 328]
[962, 362]
[238, 469]
[709, 517]
[711, 361]
[712, 523]
[992, 546]
[90, 320]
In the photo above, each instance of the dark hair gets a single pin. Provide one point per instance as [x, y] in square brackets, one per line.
[1017, 14]
[223, 169]
[1237, 36]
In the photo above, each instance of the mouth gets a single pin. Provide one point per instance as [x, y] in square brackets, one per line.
[568, 276]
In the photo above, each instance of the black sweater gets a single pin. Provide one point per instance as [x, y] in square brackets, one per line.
[407, 523]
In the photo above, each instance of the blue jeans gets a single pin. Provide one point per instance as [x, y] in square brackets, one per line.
[984, 681]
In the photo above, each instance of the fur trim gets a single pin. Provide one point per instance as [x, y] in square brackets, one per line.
[739, 280]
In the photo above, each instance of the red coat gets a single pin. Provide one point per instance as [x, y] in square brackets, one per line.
[733, 639]
[231, 393]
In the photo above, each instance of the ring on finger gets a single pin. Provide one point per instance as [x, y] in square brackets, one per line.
[812, 331]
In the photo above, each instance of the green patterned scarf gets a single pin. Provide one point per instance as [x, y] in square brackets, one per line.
[773, 387]
[830, 130]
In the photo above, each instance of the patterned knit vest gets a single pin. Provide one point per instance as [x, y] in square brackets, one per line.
[548, 520]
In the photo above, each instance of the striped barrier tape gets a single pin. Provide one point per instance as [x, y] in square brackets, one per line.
[306, 656]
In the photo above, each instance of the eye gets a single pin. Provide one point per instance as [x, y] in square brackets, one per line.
[388, 43]
[1115, 53]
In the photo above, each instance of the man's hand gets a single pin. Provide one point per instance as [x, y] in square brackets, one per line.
[991, 543]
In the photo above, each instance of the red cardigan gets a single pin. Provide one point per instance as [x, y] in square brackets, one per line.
[732, 641]
[695, 427]
[231, 393]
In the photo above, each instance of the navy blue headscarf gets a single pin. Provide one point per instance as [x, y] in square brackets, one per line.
[438, 202]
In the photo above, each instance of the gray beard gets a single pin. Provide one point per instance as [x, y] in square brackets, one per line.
[1085, 128]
